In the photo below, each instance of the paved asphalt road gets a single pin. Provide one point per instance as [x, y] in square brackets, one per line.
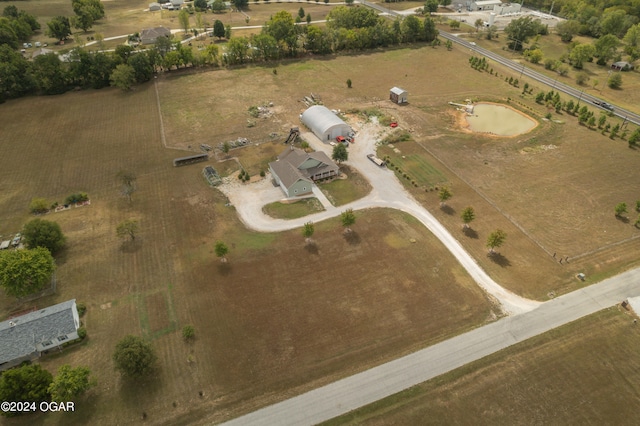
[387, 379]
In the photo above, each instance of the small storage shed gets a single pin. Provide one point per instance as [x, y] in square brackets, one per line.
[154, 6]
[324, 124]
[398, 95]
[621, 66]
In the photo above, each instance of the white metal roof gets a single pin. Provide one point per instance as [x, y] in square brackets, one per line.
[320, 119]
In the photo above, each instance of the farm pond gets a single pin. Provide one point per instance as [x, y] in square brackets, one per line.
[499, 120]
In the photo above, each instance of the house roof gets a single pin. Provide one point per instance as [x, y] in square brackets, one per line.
[20, 335]
[154, 33]
[398, 91]
[287, 173]
[288, 167]
[41, 51]
[621, 64]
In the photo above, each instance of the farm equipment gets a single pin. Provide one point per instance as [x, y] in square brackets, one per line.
[293, 134]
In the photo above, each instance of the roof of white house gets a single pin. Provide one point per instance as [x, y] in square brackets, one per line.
[20, 335]
[398, 91]
[320, 118]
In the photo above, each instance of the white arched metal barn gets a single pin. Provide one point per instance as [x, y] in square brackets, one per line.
[323, 123]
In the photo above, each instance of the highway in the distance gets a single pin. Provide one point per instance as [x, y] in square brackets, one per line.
[553, 83]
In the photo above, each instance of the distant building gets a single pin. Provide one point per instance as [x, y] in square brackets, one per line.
[150, 35]
[398, 95]
[296, 170]
[154, 6]
[482, 5]
[325, 124]
[506, 8]
[26, 337]
[622, 66]
[40, 51]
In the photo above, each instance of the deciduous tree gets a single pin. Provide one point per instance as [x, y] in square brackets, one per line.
[59, 27]
[615, 81]
[218, 29]
[348, 218]
[23, 272]
[27, 383]
[520, 30]
[70, 383]
[123, 77]
[134, 356]
[127, 229]
[340, 153]
[620, 209]
[221, 251]
[307, 231]
[128, 181]
[496, 239]
[468, 215]
[581, 54]
[43, 233]
[444, 195]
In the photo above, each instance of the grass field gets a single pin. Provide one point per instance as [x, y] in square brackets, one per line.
[415, 167]
[344, 191]
[266, 327]
[295, 210]
[279, 319]
[583, 373]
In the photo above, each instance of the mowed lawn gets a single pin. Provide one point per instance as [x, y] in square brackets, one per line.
[585, 372]
[276, 320]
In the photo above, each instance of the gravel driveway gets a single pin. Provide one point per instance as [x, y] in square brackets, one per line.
[387, 191]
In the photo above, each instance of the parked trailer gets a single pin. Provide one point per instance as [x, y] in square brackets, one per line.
[183, 161]
[376, 160]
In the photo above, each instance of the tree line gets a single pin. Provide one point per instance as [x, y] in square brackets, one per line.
[348, 29]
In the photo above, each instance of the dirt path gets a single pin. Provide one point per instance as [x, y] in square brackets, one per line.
[387, 192]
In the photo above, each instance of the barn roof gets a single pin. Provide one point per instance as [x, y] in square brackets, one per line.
[320, 118]
[398, 91]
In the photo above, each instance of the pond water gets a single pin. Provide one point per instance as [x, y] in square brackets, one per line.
[499, 120]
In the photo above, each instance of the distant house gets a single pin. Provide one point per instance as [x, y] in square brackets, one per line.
[177, 4]
[150, 35]
[40, 51]
[398, 95]
[622, 66]
[154, 6]
[26, 337]
[296, 170]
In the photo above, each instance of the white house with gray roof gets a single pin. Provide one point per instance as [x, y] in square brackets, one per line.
[26, 337]
[296, 170]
